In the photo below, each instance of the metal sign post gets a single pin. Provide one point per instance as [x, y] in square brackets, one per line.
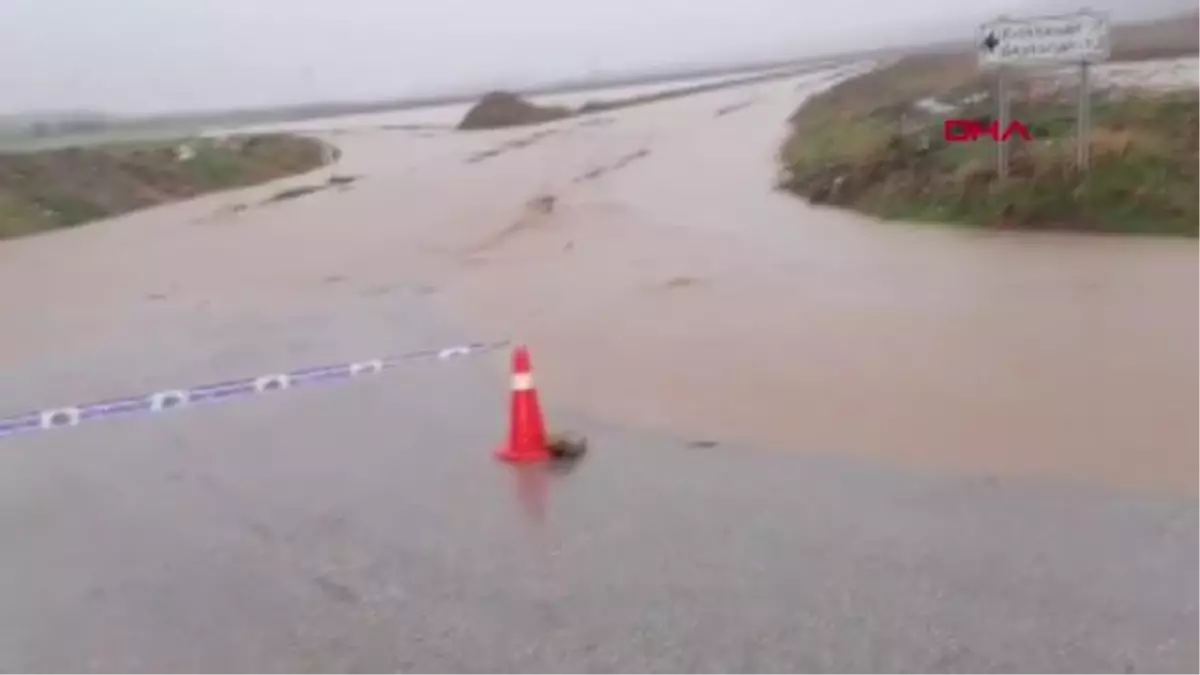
[1002, 114]
[1083, 123]
[1078, 39]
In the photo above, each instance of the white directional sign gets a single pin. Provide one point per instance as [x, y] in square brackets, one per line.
[1071, 38]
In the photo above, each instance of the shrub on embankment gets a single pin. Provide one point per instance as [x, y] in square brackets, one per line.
[869, 144]
[53, 189]
[503, 109]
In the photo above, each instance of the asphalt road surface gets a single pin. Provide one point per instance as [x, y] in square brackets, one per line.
[367, 527]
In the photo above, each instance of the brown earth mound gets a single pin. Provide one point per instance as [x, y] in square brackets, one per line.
[503, 109]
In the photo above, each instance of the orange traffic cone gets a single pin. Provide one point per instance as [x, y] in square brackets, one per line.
[527, 429]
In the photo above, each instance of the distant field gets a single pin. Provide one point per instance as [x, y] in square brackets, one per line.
[118, 136]
[318, 115]
[446, 116]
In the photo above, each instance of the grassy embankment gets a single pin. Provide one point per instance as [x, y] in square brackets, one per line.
[864, 144]
[54, 189]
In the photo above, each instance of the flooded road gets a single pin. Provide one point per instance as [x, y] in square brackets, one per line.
[866, 395]
[670, 288]
[677, 292]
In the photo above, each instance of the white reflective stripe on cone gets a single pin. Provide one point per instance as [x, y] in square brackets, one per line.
[522, 381]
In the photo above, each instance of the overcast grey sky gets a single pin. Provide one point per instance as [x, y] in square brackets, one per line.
[155, 55]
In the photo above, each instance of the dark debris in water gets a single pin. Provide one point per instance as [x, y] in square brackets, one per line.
[567, 445]
[293, 193]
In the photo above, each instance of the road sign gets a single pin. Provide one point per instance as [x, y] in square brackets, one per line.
[1077, 38]
[1080, 39]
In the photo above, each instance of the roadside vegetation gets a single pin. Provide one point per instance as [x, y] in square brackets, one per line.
[875, 143]
[41, 191]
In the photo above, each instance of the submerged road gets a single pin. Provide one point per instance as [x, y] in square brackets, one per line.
[365, 526]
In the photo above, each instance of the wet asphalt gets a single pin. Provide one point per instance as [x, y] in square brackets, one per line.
[366, 527]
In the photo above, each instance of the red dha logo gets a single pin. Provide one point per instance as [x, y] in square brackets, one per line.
[967, 131]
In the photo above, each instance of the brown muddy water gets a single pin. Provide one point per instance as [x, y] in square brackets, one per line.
[669, 287]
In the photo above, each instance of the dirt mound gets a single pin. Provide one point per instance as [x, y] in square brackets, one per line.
[504, 109]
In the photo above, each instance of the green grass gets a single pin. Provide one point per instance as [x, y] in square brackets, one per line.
[69, 211]
[849, 148]
[19, 217]
[66, 187]
[216, 168]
